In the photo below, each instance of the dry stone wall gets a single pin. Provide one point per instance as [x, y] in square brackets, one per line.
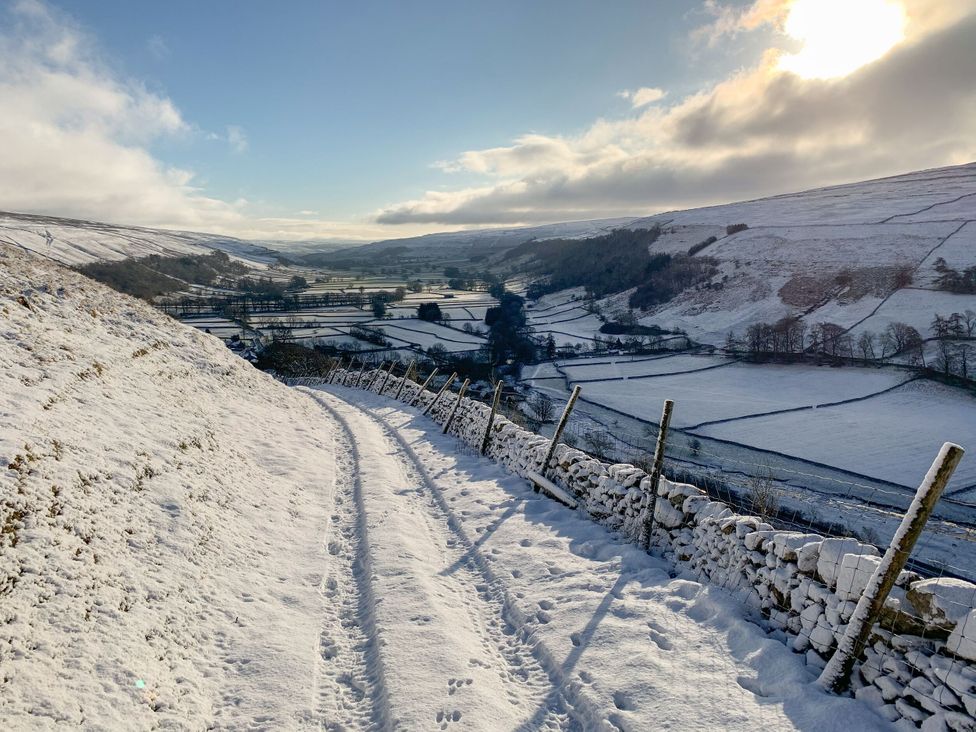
[920, 666]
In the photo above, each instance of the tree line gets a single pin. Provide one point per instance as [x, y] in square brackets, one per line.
[791, 338]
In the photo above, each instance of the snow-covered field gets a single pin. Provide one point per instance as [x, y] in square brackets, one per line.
[630, 367]
[738, 390]
[892, 436]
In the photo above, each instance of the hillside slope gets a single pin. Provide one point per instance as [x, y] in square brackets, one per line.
[74, 242]
[161, 510]
[841, 254]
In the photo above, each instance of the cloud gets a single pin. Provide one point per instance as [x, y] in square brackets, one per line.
[236, 138]
[157, 47]
[75, 135]
[643, 96]
[760, 131]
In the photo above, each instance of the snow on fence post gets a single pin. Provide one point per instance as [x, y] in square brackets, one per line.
[359, 376]
[560, 426]
[403, 382]
[836, 675]
[347, 377]
[450, 418]
[387, 377]
[662, 435]
[336, 365]
[375, 377]
[491, 417]
[423, 387]
[444, 388]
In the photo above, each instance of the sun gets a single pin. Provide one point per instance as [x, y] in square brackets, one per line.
[840, 36]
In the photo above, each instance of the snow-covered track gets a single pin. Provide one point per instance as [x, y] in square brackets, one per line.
[480, 663]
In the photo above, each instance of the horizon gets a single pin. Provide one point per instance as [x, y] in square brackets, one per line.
[279, 127]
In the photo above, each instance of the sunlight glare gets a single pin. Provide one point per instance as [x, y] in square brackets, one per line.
[840, 36]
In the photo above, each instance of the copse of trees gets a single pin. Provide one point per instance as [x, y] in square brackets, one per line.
[952, 280]
[666, 276]
[789, 338]
[430, 311]
[508, 336]
[603, 264]
[154, 275]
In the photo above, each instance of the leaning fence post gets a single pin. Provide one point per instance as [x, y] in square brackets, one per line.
[348, 376]
[336, 365]
[359, 376]
[662, 435]
[376, 375]
[560, 426]
[491, 417]
[387, 377]
[457, 404]
[423, 387]
[836, 675]
[444, 388]
[403, 381]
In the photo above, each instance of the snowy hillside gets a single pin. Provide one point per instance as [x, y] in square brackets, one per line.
[832, 254]
[75, 242]
[158, 553]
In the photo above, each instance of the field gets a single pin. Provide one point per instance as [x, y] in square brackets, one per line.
[728, 392]
[891, 436]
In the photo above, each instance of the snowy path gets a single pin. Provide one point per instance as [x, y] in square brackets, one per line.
[466, 601]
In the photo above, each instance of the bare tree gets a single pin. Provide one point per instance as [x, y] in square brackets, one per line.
[543, 407]
[764, 494]
[865, 344]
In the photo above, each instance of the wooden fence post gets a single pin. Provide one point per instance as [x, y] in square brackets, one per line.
[403, 381]
[359, 376]
[376, 375]
[423, 387]
[387, 377]
[560, 426]
[444, 388]
[836, 675]
[348, 376]
[662, 435]
[457, 404]
[333, 371]
[491, 417]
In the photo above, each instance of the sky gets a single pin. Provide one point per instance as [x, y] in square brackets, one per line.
[375, 120]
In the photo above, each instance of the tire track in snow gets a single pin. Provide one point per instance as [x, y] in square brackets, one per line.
[567, 706]
[493, 618]
[349, 688]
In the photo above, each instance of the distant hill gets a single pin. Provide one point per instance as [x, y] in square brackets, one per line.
[467, 245]
[861, 256]
[74, 241]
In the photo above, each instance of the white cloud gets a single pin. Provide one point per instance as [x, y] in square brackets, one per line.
[75, 139]
[75, 135]
[236, 138]
[643, 96]
[760, 131]
[157, 47]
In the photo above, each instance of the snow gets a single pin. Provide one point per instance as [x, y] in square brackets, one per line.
[199, 546]
[617, 639]
[738, 390]
[75, 242]
[168, 506]
[892, 436]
